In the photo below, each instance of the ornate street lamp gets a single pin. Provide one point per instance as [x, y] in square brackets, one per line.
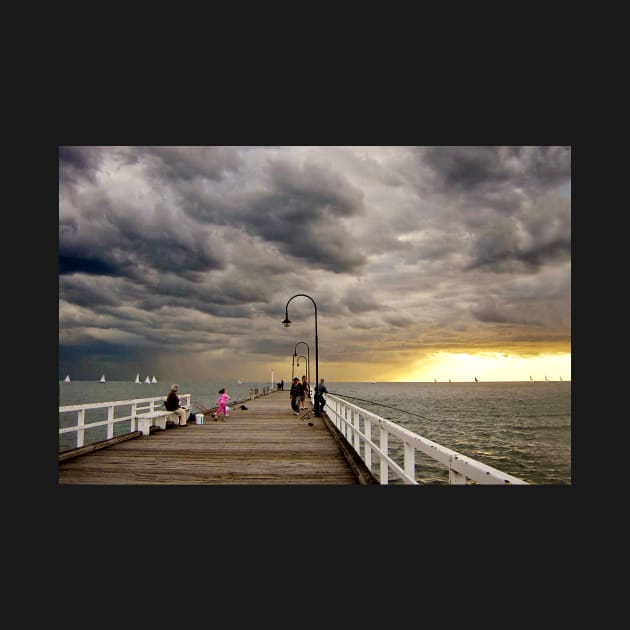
[308, 354]
[308, 374]
[293, 366]
[287, 323]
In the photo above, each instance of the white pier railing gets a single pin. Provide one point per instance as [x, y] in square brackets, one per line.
[360, 427]
[73, 419]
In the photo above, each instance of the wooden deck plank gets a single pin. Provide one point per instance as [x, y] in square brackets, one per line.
[265, 444]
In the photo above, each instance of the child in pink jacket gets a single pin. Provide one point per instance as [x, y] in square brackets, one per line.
[222, 401]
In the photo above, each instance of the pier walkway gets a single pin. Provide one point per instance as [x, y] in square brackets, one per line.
[265, 444]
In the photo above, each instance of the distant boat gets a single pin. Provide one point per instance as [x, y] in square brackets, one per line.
[238, 380]
[435, 380]
[449, 380]
[137, 378]
[546, 379]
[147, 380]
[372, 382]
[102, 378]
[67, 379]
[530, 378]
[153, 379]
[561, 379]
[476, 380]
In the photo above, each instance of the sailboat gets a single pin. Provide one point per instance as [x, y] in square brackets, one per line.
[238, 380]
[530, 378]
[561, 379]
[147, 380]
[546, 379]
[102, 378]
[137, 378]
[153, 379]
[67, 379]
[476, 380]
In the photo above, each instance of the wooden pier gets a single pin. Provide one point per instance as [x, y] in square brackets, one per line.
[264, 444]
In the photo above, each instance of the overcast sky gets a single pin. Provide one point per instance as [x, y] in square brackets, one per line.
[423, 261]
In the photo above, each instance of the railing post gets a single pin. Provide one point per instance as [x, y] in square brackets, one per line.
[456, 478]
[367, 428]
[384, 476]
[110, 422]
[410, 460]
[132, 426]
[356, 440]
[81, 430]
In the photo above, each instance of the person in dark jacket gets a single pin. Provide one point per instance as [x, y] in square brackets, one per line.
[295, 394]
[305, 392]
[319, 400]
[172, 404]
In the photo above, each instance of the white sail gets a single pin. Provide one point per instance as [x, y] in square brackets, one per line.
[153, 379]
[137, 377]
[102, 378]
[561, 378]
[147, 380]
[67, 379]
[546, 379]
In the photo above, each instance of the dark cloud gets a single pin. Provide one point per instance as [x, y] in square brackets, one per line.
[72, 264]
[475, 170]
[188, 163]
[79, 163]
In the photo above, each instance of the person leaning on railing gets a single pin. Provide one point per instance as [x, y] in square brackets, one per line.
[319, 400]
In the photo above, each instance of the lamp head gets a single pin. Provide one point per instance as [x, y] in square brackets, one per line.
[286, 321]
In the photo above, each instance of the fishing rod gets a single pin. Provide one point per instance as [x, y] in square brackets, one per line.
[379, 404]
[204, 409]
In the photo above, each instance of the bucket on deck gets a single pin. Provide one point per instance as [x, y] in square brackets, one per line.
[198, 418]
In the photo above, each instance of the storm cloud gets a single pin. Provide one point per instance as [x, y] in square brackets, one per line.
[165, 251]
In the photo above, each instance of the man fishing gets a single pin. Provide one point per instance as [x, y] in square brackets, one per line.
[319, 400]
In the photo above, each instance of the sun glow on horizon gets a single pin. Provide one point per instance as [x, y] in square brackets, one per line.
[489, 366]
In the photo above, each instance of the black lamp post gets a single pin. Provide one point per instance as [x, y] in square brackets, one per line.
[308, 374]
[287, 322]
[308, 354]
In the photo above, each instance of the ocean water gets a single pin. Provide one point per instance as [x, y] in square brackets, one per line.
[521, 428]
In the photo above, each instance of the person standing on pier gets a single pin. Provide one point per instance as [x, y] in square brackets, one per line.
[319, 400]
[222, 401]
[295, 395]
[305, 391]
[172, 404]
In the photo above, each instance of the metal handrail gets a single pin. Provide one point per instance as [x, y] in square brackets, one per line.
[356, 425]
[138, 405]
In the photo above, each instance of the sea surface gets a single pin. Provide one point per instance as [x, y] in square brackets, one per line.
[521, 428]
